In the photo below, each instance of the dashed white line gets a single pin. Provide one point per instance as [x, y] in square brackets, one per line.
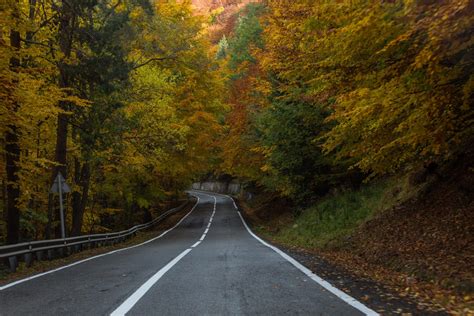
[128, 304]
[138, 294]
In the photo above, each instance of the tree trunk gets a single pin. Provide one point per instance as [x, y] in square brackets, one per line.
[79, 201]
[61, 145]
[49, 225]
[65, 43]
[66, 28]
[13, 190]
[12, 149]
[4, 199]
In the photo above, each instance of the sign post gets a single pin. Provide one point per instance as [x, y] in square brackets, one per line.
[60, 186]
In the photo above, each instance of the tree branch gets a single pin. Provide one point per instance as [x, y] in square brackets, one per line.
[153, 60]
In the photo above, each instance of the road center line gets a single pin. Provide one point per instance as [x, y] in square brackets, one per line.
[132, 300]
[128, 304]
[210, 220]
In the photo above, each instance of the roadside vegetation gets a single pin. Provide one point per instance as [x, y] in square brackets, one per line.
[334, 217]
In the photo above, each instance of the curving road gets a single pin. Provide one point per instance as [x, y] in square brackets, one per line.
[209, 264]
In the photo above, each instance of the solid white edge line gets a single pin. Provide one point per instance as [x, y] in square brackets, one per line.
[196, 244]
[340, 294]
[141, 291]
[6, 286]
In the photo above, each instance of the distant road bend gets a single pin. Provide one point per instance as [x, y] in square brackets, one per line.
[210, 263]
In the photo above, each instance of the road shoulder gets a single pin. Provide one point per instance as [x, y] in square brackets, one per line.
[371, 293]
[39, 267]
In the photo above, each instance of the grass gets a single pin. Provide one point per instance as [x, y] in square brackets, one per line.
[335, 217]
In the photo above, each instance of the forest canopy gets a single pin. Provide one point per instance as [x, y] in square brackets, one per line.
[133, 100]
[121, 97]
[332, 92]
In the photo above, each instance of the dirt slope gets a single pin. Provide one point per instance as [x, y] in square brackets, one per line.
[423, 248]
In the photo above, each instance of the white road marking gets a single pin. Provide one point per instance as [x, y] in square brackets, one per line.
[343, 296]
[210, 219]
[135, 297]
[128, 304]
[6, 286]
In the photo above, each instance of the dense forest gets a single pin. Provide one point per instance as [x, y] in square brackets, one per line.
[325, 93]
[121, 97]
[133, 100]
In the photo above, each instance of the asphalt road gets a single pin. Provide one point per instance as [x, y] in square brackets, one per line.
[209, 264]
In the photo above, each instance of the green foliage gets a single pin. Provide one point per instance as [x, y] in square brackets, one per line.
[335, 217]
[222, 48]
[240, 154]
[298, 167]
[247, 36]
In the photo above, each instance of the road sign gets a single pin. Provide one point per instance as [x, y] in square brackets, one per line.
[60, 180]
[60, 186]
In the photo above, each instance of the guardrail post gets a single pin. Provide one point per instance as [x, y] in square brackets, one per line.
[13, 261]
[28, 259]
[40, 255]
[50, 254]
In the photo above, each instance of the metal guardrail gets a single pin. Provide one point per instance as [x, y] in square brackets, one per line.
[64, 246]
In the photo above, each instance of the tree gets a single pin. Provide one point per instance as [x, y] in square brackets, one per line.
[240, 144]
[105, 90]
[12, 147]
